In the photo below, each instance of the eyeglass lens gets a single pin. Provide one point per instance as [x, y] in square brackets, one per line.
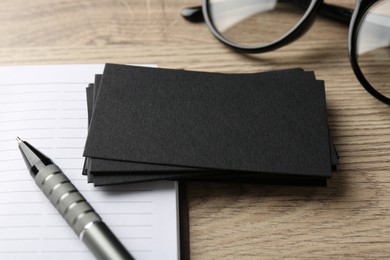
[373, 47]
[255, 23]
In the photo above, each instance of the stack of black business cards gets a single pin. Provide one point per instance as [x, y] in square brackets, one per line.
[160, 124]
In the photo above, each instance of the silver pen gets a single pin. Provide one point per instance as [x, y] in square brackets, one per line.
[72, 206]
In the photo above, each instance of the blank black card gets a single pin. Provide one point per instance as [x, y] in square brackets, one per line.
[211, 121]
[108, 172]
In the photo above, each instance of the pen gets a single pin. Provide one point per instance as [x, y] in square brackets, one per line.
[72, 206]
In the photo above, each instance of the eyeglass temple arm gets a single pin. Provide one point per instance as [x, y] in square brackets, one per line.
[334, 12]
[192, 14]
[337, 13]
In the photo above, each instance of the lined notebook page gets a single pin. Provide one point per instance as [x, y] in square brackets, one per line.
[46, 106]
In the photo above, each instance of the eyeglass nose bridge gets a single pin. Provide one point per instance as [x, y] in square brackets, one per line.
[293, 34]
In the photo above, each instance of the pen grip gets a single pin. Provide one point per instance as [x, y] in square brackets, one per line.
[65, 197]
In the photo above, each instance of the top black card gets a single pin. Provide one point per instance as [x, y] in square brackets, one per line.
[243, 122]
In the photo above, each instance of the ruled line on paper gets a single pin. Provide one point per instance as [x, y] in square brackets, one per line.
[12, 227]
[6, 150]
[30, 110]
[24, 102]
[70, 127]
[9, 160]
[28, 119]
[44, 83]
[69, 148]
[71, 118]
[65, 251]
[73, 138]
[19, 191]
[27, 129]
[8, 181]
[59, 238]
[73, 169]
[122, 202]
[19, 239]
[21, 202]
[19, 214]
[5, 170]
[18, 252]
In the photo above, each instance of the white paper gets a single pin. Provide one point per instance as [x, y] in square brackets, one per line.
[46, 106]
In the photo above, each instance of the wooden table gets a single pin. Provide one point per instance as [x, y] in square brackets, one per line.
[349, 218]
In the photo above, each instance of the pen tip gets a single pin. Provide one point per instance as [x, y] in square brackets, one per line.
[19, 140]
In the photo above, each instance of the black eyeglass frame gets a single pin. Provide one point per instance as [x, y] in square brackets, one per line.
[297, 31]
[315, 7]
[344, 15]
[362, 6]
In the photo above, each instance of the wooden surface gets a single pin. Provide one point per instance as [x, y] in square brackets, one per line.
[349, 218]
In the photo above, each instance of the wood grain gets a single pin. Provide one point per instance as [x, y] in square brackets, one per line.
[348, 219]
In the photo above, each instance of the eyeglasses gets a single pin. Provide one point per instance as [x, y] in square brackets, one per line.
[264, 25]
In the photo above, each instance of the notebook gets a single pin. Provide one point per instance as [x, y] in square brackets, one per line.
[46, 105]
